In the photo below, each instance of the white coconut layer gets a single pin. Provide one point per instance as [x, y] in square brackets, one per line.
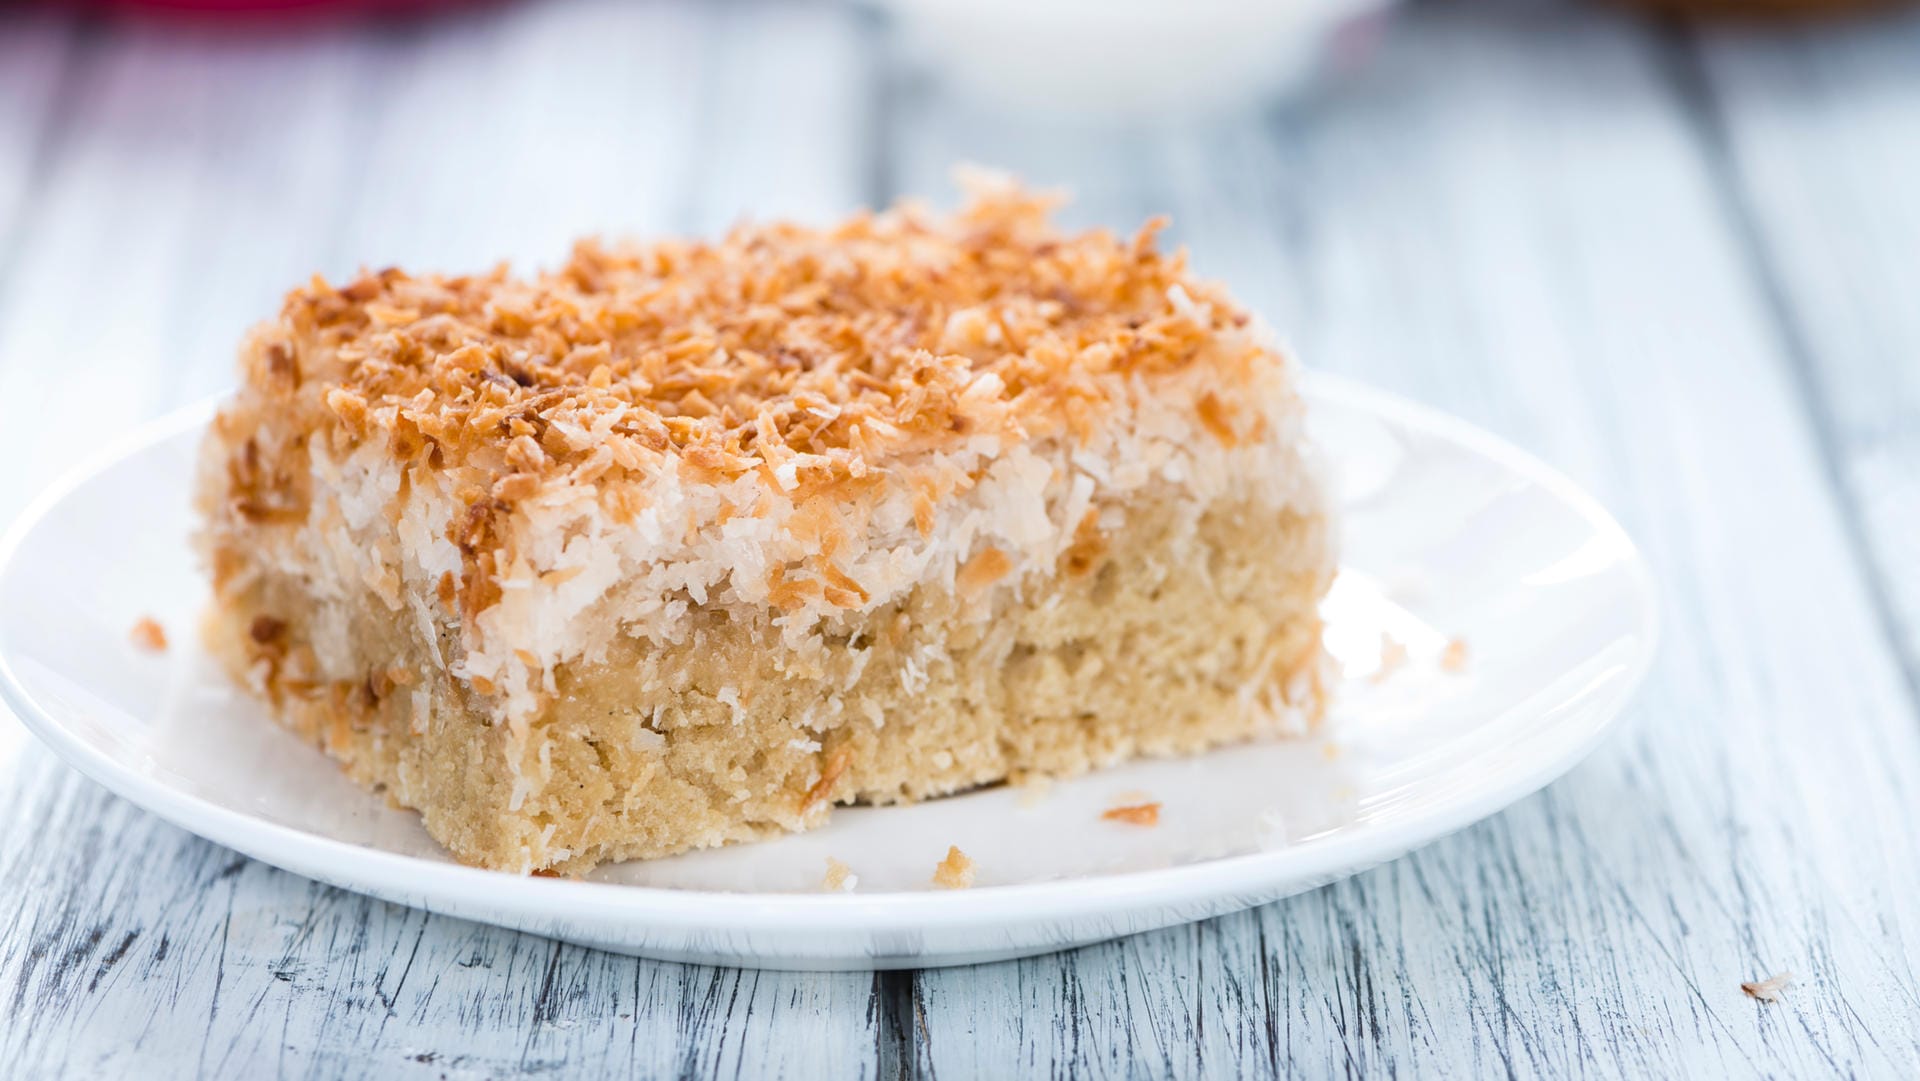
[578, 577]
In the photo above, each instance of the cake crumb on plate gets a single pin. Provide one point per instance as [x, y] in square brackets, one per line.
[840, 878]
[148, 634]
[955, 872]
[1455, 656]
[1134, 814]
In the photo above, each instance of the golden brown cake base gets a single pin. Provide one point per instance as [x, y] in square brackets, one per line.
[1186, 628]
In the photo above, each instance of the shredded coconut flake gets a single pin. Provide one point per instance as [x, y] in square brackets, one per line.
[148, 634]
[1134, 814]
[1768, 990]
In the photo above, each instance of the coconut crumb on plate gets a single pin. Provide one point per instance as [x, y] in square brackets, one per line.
[148, 634]
[1134, 814]
[1768, 990]
[840, 878]
[955, 872]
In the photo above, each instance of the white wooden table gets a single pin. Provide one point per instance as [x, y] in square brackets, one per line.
[1684, 266]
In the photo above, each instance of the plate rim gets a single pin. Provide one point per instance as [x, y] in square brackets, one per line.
[443, 884]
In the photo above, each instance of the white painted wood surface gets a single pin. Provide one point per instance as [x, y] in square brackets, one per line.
[1678, 264]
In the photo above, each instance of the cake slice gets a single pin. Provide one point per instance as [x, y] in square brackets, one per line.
[682, 545]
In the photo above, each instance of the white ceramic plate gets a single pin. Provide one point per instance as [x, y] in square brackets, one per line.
[1448, 532]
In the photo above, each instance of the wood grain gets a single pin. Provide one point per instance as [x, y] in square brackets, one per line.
[1677, 267]
[144, 946]
[1817, 134]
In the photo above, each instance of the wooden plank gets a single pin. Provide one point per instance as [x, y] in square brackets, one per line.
[174, 202]
[510, 134]
[1508, 214]
[135, 948]
[788, 117]
[143, 950]
[1818, 129]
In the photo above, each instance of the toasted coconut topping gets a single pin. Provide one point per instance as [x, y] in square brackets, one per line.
[809, 420]
[813, 355]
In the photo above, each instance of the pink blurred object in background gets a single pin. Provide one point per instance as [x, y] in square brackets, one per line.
[259, 9]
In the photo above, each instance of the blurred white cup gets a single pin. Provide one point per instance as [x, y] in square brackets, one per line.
[1128, 58]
